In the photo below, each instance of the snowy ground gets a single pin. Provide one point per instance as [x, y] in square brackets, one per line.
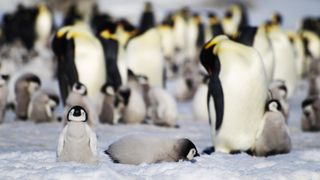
[28, 150]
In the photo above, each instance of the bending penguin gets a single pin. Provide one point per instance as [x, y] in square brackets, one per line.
[273, 136]
[137, 149]
[235, 108]
[25, 86]
[77, 141]
[42, 105]
[80, 59]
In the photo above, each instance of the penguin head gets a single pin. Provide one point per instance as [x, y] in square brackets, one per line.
[213, 19]
[281, 87]
[310, 108]
[187, 149]
[276, 18]
[196, 18]
[107, 89]
[208, 55]
[148, 7]
[273, 105]
[4, 78]
[123, 96]
[53, 100]
[34, 83]
[232, 19]
[77, 114]
[79, 88]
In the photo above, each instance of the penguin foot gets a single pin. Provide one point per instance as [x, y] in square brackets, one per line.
[208, 150]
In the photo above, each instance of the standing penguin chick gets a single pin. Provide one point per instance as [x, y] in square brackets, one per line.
[106, 114]
[273, 137]
[130, 105]
[78, 96]
[3, 95]
[42, 106]
[25, 86]
[77, 141]
[135, 149]
[163, 108]
[310, 120]
[278, 91]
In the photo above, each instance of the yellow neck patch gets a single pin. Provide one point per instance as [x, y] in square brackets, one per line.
[215, 40]
[107, 35]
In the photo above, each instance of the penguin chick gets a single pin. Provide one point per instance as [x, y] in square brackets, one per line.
[310, 120]
[77, 141]
[25, 86]
[106, 114]
[273, 137]
[278, 90]
[135, 149]
[130, 105]
[163, 108]
[78, 96]
[42, 106]
[3, 95]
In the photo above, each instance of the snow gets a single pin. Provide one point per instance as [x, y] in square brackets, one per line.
[28, 150]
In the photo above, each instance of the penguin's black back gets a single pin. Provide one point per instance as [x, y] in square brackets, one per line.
[247, 35]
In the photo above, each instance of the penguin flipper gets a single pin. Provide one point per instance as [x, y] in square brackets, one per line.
[61, 141]
[92, 140]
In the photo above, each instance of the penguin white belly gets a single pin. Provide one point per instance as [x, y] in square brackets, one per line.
[43, 27]
[167, 40]
[199, 103]
[89, 60]
[135, 112]
[122, 65]
[145, 57]
[191, 46]
[262, 45]
[285, 67]
[245, 94]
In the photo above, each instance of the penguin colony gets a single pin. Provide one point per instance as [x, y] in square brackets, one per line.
[239, 77]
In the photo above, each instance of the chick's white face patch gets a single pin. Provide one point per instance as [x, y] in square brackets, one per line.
[80, 118]
[191, 154]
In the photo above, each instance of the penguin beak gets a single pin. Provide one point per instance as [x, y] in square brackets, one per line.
[197, 155]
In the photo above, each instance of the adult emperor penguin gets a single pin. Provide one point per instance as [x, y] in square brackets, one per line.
[24, 88]
[144, 56]
[235, 109]
[285, 67]
[42, 106]
[4, 92]
[163, 108]
[147, 19]
[111, 50]
[137, 149]
[43, 26]
[258, 39]
[299, 52]
[235, 18]
[195, 37]
[78, 96]
[77, 141]
[80, 59]
[312, 44]
[273, 137]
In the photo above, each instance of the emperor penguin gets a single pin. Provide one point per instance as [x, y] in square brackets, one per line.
[278, 91]
[214, 27]
[163, 108]
[77, 141]
[144, 56]
[312, 44]
[310, 120]
[273, 137]
[125, 30]
[80, 59]
[147, 19]
[299, 52]
[25, 86]
[130, 106]
[111, 50]
[195, 37]
[285, 67]
[234, 18]
[43, 26]
[42, 105]
[200, 100]
[257, 37]
[107, 114]
[137, 149]
[79, 96]
[4, 92]
[235, 109]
